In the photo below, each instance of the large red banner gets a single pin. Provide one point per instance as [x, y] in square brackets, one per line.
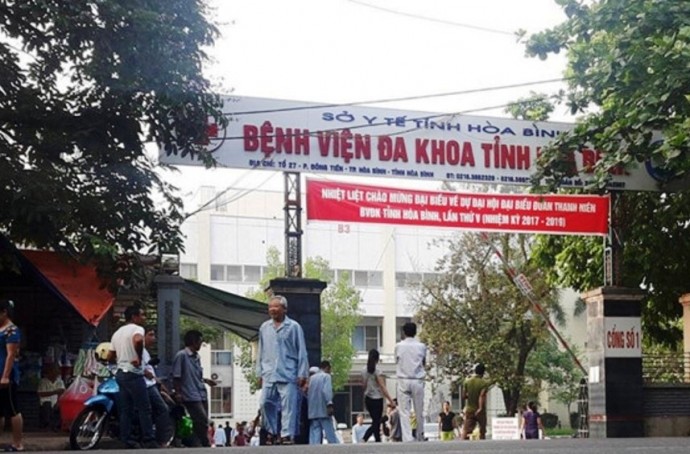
[519, 213]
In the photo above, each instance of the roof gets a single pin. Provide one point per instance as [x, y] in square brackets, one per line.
[237, 314]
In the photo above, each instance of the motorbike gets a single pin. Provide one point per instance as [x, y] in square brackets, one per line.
[100, 417]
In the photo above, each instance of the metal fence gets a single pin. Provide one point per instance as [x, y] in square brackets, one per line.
[667, 368]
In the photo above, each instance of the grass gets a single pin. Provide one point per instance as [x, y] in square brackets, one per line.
[562, 432]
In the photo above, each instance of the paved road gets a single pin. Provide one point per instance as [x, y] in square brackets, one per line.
[561, 446]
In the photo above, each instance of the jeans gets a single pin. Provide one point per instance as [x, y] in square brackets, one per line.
[161, 415]
[283, 398]
[320, 426]
[375, 409]
[134, 400]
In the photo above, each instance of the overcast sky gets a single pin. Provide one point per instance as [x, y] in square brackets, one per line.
[339, 51]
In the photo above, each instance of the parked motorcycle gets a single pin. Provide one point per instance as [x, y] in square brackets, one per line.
[100, 417]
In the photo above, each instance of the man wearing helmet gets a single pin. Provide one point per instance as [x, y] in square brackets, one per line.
[474, 393]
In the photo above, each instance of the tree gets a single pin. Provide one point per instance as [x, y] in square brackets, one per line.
[627, 77]
[474, 313]
[86, 85]
[339, 316]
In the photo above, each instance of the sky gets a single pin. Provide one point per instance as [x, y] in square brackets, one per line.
[341, 51]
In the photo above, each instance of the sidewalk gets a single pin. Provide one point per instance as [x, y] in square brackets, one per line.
[40, 441]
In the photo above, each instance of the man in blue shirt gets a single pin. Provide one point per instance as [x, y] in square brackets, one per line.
[189, 383]
[321, 406]
[282, 369]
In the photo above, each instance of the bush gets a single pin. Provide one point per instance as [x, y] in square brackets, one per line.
[549, 420]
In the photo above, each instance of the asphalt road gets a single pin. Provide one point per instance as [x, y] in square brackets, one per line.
[565, 446]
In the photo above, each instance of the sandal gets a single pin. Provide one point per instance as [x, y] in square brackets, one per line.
[286, 441]
[269, 440]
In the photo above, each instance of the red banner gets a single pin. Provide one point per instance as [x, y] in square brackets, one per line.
[519, 213]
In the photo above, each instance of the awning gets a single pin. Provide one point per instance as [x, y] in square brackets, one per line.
[237, 314]
[70, 281]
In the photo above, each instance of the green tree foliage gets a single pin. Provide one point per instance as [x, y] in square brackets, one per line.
[627, 76]
[339, 316]
[474, 313]
[209, 332]
[85, 86]
[554, 370]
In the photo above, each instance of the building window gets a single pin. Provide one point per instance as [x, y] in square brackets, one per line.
[365, 338]
[234, 273]
[217, 272]
[188, 271]
[375, 279]
[361, 278]
[221, 358]
[400, 279]
[252, 273]
[221, 401]
[414, 278]
[345, 275]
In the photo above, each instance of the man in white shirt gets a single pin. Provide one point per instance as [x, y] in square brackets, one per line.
[410, 356]
[127, 351]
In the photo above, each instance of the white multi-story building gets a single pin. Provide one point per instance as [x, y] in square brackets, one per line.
[226, 246]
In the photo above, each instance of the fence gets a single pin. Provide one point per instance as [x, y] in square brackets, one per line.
[669, 368]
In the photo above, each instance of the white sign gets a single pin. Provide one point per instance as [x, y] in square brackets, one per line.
[505, 428]
[296, 136]
[622, 337]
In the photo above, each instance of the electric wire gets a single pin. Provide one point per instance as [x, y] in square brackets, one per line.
[436, 20]
[402, 98]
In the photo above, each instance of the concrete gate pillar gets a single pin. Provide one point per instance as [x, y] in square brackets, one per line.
[168, 329]
[614, 348]
[685, 301]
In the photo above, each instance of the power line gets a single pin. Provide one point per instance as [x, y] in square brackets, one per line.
[404, 98]
[436, 20]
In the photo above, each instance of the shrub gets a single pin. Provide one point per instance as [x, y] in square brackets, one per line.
[549, 420]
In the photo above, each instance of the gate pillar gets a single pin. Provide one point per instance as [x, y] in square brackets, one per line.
[614, 347]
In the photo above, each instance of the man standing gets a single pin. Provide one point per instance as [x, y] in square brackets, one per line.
[410, 356]
[161, 412]
[320, 400]
[188, 380]
[282, 369]
[474, 393]
[128, 349]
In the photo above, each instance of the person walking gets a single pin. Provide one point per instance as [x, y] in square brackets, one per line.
[410, 356]
[189, 383]
[10, 338]
[159, 409]
[282, 369]
[531, 423]
[228, 433]
[128, 350]
[446, 423]
[219, 438]
[320, 409]
[374, 392]
[474, 392]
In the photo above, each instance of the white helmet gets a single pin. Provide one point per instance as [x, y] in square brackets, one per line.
[103, 350]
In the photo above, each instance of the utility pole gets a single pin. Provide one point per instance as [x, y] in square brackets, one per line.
[293, 225]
